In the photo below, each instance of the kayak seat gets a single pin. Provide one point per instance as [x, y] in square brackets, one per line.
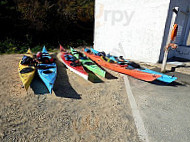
[108, 55]
[76, 63]
[111, 61]
[121, 57]
[83, 58]
[47, 72]
[87, 50]
[104, 58]
[79, 53]
[122, 63]
[45, 67]
[130, 67]
[89, 63]
[107, 59]
[69, 58]
[26, 70]
[75, 52]
[124, 60]
[26, 60]
[45, 54]
[134, 65]
[101, 54]
[118, 60]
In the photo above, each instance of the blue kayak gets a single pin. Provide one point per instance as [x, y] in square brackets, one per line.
[47, 72]
[164, 78]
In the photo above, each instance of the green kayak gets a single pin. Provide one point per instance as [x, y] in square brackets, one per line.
[86, 62]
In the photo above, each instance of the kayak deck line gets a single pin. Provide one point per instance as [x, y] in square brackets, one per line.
[75, 71]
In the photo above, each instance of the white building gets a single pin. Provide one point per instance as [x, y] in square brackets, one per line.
[140, 29]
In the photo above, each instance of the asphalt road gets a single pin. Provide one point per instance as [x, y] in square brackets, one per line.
[165, 109]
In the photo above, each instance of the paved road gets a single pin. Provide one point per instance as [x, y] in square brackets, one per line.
[165, 110]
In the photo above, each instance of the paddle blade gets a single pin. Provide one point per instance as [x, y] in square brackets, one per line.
[174, 32]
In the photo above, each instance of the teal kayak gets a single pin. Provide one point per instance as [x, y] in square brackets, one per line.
[88, 63]
[47, 72]
[120, 60]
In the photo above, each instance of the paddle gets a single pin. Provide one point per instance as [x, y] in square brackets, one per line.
[167, 48]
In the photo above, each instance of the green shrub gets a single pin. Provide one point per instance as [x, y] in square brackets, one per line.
[11, 46]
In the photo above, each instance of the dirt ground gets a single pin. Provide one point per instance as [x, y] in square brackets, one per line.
[77, 111]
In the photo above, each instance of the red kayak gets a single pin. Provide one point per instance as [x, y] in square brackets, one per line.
[122, 68]
[72, 64]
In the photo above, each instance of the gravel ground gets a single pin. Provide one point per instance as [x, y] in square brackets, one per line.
[78, 110]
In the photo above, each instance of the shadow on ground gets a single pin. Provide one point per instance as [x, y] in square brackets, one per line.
[174, 68]
[110, 76]
[38, 86]
[172, 84]
[93, 78]
[62, 87]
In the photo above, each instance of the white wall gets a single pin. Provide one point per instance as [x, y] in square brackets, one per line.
[132, 28]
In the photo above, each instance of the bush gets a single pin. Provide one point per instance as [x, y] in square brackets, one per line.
[31, 23]
[10, 46]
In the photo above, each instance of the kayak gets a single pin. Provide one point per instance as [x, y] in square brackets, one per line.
[72, 63]
[164, 78]
[88, 63]
[103, 61]
[47, 72]
[26, 72]
[120, 60]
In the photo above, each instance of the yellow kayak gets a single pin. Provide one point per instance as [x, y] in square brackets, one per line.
[26, 72]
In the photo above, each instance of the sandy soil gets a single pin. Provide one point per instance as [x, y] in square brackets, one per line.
[77, 111]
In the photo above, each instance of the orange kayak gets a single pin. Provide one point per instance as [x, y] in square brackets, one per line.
[122, 68]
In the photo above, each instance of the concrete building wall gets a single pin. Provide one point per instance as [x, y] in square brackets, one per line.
[138, 30]
[131, 28]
